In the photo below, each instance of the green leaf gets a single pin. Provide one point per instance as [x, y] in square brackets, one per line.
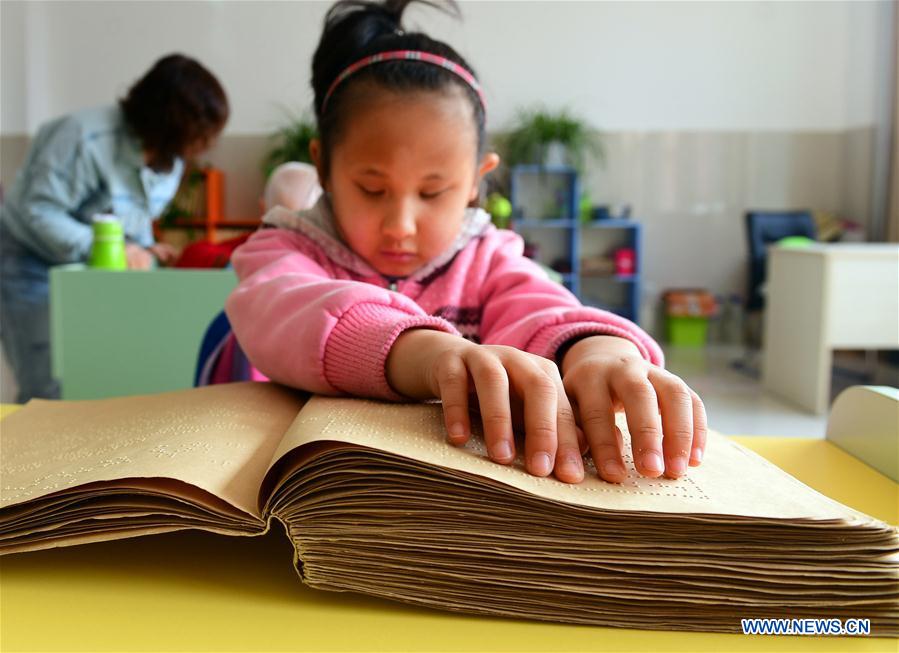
[537, 128]
[290, 142]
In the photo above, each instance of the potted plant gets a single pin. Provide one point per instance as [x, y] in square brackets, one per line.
[290, 143]
[543, 137]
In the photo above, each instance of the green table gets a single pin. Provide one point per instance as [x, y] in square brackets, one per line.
[115, 333]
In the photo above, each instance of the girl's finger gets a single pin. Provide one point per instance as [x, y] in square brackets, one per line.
[541, 402]
[700, 430]
[641, 407]
[582, 443]
[569, 464]
[597, 419]
[452, 383]
[491, 383]
[676, 405]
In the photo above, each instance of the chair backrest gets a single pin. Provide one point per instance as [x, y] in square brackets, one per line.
[214, 341]
[762, 229]
[221, 359]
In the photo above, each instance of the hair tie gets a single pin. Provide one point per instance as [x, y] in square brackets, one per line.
[407, 55]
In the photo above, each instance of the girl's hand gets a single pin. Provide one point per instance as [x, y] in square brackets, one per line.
[510, 385]
[666, 419]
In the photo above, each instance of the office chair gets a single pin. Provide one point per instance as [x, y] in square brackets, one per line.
[762, 229]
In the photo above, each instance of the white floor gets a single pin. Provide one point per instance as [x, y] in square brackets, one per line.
[726, 379]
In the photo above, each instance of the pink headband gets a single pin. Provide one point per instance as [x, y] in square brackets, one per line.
[407, 55]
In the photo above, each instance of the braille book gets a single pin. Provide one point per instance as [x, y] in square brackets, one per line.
[375, 501]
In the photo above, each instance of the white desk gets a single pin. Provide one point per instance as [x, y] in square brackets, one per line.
[821, 298]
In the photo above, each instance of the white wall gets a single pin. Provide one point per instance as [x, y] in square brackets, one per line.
[622, 65]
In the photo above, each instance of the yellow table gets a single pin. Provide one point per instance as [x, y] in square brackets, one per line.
[193, 591]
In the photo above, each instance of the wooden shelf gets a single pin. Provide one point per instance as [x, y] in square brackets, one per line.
[611, 277]
[199, 204]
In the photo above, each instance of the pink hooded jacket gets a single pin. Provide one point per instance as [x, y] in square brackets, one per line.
[310, 313]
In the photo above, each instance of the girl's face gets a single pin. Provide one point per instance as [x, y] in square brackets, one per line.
[402, 174]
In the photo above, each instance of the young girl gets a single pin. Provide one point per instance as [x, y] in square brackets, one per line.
[392, 286]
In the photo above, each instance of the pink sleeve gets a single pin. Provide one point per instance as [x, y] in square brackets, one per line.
[301, 327]
[525, 309]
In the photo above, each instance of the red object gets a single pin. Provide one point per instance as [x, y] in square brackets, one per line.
[625, 261]
[209, 255]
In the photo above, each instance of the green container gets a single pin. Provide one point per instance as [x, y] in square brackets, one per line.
[686, 331]
[108, 248]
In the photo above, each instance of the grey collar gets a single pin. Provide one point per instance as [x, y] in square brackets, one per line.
[317, 224]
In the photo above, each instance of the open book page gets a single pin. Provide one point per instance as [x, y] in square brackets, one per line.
[219, 439]
[732, 481]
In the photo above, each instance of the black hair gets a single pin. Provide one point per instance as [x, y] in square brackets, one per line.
[355, 29]
[175, 105]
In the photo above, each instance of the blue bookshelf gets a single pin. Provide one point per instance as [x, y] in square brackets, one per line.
[545, 212]
[553, 224]
[619, 293]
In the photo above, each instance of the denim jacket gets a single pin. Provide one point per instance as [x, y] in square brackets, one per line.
[82, 164]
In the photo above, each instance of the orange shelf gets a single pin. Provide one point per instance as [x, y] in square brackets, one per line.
[201, 223]
[209, 210]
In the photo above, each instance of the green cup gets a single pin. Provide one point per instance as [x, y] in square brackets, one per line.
[108, 249]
